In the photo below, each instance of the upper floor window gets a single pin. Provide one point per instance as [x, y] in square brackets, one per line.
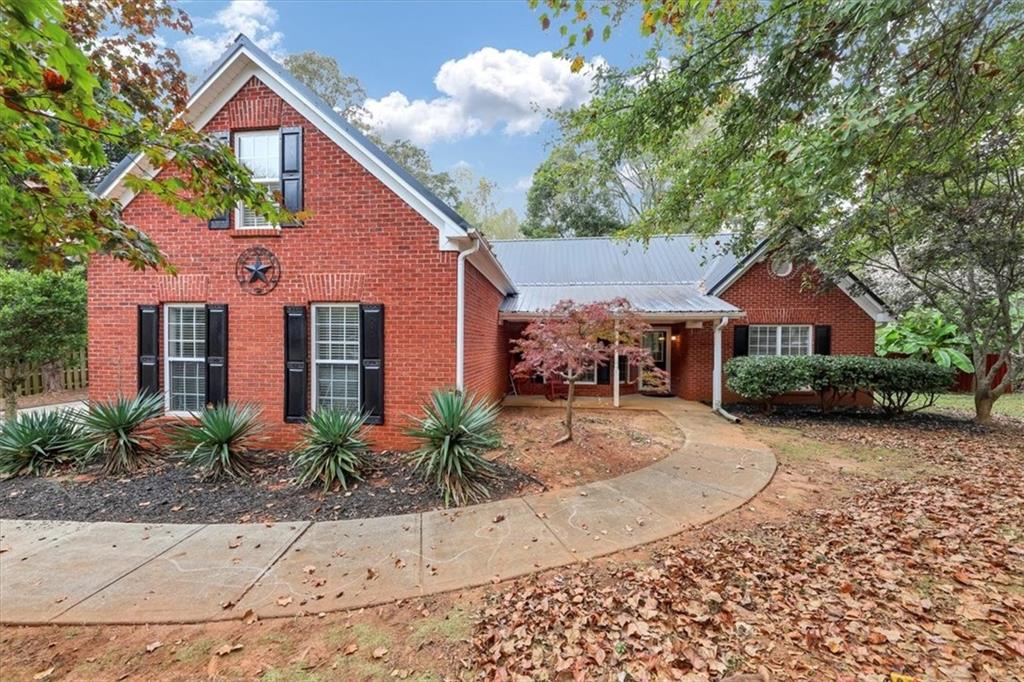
[261, 152]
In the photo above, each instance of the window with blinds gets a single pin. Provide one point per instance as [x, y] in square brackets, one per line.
[784, 339]
[261, 152]
[185, 340]
[336, 356]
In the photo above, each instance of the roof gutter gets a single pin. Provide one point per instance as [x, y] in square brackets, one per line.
[460, 314]
[647, 317]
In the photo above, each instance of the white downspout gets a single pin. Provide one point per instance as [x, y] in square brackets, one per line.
[460, 315]
[716, 380]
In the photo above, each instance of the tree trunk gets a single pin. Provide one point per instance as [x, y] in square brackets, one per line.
[568, 414]
[9, 388]
[983, 407]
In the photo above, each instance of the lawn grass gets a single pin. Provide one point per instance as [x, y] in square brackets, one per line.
[1011, 405]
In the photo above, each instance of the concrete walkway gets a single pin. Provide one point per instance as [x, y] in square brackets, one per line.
[69, 572]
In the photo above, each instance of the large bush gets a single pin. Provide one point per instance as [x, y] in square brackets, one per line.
[893, 384]
[42, 319]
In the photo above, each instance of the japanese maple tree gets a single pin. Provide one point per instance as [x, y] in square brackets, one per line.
[574, 339]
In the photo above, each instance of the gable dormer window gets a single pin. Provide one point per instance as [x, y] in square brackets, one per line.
[261, 152]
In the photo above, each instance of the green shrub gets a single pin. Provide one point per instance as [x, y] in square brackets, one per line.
[219, 441]
[333, 449]
[455, 430]
[36, 443]
[893, 384]
[764, 378]
[114, 431]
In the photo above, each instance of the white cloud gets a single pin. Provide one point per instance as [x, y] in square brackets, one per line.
[254, 18]
[523, 184]
[486, 89]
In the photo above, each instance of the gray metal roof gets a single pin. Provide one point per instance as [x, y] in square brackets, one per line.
[667, 275]
[242, 41]
[685, 299]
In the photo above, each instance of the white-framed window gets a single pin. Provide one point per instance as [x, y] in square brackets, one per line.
[261, 152]
[588, 376]
[185, 364]
[780, 339]
[336, 356]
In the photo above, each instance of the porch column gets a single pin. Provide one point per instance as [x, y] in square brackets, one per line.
[615, 369]
[716, 380]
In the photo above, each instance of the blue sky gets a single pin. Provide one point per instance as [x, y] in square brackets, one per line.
[466, 80]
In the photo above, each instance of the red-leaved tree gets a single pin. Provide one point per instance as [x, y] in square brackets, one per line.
[572, 340]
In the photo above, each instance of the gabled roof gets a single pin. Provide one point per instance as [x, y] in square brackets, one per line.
[388, 170]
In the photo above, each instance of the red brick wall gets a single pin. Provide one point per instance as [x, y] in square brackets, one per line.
[486, 349]
[361, 244]
[768, 299]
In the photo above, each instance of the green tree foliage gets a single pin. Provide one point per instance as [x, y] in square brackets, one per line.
[416, 160]
[569, 198]
[42, 319]
[478, 205]
[324, 76]
[80, 80]
[877, 135]
[925, 335]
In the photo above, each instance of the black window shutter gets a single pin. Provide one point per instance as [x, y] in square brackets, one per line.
[371, 327]
[296, 365]
[623, 369]
[740, 340]
[222, 221]
[291, 171]
[216, 354]
[149, 349]
[604, 374]
[823, 339]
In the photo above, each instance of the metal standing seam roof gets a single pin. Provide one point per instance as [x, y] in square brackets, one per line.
[243, 41]
[667, 275]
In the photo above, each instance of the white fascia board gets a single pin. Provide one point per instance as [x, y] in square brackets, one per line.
[447, 229]
[488, 266]
[647, 317]
[866, 301]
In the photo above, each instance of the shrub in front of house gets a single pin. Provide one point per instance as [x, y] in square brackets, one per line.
[34, 444]
[219, 440]
[115, 431]
[333, 450]
[455, 430]
[893, 384]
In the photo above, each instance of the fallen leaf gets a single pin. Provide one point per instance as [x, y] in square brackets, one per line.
[226, 649]
[380, 652]
[44, 674]
[284, 601]
[153, 646]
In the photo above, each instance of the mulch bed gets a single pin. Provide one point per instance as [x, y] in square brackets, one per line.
[174, 493]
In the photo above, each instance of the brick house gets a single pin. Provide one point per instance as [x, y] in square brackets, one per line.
[385, 292]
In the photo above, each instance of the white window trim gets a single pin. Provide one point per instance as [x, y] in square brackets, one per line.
[238, 137]
[778, 336]
[167, 356]
[315, 402]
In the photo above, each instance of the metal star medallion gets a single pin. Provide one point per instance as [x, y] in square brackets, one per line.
[257, 270]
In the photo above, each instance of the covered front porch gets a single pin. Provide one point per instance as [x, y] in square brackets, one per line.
[688, 347]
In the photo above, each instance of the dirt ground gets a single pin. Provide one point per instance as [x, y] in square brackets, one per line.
[876, 549]
[607, 444]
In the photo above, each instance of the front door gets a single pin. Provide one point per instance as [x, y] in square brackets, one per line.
[656, 342]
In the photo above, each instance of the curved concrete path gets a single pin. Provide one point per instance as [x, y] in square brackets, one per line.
[127, 573]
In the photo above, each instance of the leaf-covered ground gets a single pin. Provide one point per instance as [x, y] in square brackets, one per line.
[922, 576]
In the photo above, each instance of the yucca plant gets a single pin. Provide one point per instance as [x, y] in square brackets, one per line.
[456, 429]
[36, 443]
[219, 442]
[113, 430]
[333, 449]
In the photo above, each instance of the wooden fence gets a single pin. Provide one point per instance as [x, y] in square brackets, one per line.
[76, 376]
